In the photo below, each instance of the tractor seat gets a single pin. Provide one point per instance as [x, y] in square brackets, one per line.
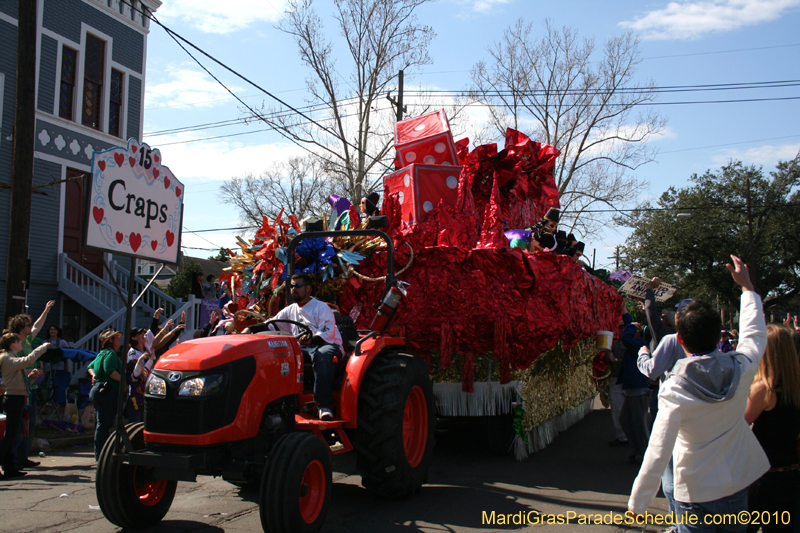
[349, 334]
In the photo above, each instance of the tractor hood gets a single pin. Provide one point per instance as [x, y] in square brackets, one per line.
[210, 352]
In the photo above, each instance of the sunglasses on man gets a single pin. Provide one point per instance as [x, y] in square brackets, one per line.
[296, 285]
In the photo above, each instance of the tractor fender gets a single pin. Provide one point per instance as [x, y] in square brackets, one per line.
[357, 366]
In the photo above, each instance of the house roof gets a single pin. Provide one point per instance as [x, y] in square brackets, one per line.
[206, 265]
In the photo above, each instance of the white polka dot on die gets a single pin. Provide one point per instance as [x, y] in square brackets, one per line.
[407, 180]
[401, 196]
[427, 206]
[452, 182]
[411, 156]
[440, 148]
[420, 127]
[429, 160]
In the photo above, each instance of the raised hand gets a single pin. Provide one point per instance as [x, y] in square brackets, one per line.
[740, 273]
[654, 283]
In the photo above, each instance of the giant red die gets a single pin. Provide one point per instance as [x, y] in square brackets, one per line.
[420, 187]
[425, 140]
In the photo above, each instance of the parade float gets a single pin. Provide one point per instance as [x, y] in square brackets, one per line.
[507, 333]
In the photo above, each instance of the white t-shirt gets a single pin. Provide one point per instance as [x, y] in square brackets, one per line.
[316, 315]
[134, 354]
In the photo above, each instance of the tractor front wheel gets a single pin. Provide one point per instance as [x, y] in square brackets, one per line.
[129, 496]
[296, 485]
[396, 423]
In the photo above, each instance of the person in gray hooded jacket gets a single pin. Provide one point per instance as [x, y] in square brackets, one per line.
[701, 417]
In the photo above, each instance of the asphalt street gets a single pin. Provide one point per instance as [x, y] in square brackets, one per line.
[578, 473]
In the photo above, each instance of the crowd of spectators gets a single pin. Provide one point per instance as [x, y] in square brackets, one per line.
[720, 435]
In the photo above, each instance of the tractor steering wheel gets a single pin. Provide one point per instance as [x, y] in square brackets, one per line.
[305, 330]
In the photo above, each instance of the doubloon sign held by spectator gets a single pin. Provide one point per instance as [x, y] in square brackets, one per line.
[134, 204]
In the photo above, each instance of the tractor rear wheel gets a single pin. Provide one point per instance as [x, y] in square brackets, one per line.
[296, 485]
[129, 496]
[396, 423]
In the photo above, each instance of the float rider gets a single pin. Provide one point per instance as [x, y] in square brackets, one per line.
[324, 344]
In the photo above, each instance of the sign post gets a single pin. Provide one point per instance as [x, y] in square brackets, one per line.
[134, 207]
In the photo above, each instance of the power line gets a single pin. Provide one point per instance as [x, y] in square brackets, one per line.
[623, 90]
[729, 144]
[682, 209]
[461, 94]
[724, 51]
[271, 128]
[176, 37]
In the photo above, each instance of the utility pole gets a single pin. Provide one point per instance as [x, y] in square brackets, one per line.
[616, 256]
[19, 225]
[399, 102]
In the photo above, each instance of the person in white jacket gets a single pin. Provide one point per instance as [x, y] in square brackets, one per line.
[700, 421]
[324, 344]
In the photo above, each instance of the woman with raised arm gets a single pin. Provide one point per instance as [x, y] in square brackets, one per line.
[17, 388]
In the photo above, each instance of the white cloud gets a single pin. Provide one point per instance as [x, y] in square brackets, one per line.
[186, 86]
[766, 155]
[690, 20]
[213, 16]
[486, 6]
[219, 159]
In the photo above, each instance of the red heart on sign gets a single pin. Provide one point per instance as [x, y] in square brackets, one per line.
[132, 160]
[177, 191]
[156, 158]
[170, 238]
[134, 148]
[98, 214]
[120, 236]
[102, 165]
[166, 182]
[119, 158]
[155, 173]
[136, 241]
[154, 244]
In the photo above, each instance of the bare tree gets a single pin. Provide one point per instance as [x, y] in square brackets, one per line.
[560, 92]
[298, 185]
[381, 37]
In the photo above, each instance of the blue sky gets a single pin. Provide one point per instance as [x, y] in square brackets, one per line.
[682, 43]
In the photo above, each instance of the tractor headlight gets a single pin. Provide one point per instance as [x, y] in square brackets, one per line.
[201, 386]
[156, 386]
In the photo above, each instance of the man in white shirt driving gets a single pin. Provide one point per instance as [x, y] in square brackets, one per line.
[324, 344]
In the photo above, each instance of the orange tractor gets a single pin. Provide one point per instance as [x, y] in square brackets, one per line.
[241, 407]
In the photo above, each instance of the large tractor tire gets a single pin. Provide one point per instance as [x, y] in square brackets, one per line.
[296, 485]
[128, 495]
[396, 423]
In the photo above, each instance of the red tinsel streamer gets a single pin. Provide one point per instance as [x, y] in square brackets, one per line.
[446, 348]
[500, 342]
[467, 372]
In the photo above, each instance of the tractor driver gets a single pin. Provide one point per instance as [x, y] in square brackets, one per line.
[325, 343]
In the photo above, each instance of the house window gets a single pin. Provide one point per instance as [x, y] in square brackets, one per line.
[93, 81]
[115, 103]
[69, 63]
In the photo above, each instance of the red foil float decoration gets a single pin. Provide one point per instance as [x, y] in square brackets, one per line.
[469, 292]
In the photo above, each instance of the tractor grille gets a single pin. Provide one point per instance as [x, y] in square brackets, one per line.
[183, 415]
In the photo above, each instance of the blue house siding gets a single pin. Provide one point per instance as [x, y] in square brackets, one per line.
[65, 16]
[9, 7]
[47, 74]
[134, 107]
[8, 67]
[44, 239]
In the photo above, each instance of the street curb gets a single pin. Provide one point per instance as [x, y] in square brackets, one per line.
[71, 441]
